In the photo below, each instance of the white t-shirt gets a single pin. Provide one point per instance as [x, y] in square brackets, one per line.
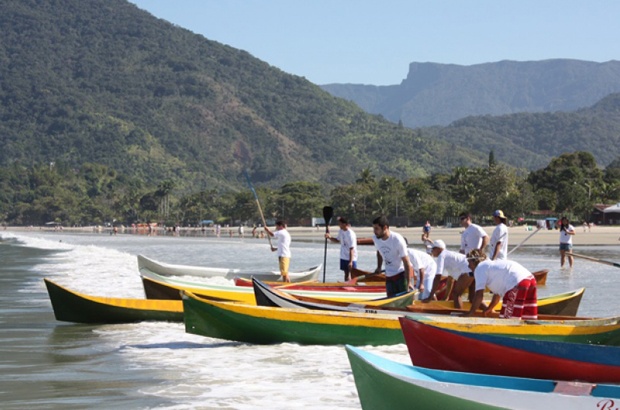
[422, 260]
[284, 243]
[348, 240]
[500, 234]
[452, 264]
[471, 238]
[500, 276]
[393, 250]
[566, 238]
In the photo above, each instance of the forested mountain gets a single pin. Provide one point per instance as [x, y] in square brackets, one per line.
[438, 94]
[101, 81]
[530, 140]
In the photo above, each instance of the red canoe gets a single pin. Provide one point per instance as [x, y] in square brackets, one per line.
[444, 349]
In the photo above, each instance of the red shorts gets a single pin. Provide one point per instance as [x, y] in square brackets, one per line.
[521, 301]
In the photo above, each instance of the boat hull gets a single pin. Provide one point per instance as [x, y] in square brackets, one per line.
[70, 306]
[442, 349]
[604, 331]
[265, 325]
[386, 384]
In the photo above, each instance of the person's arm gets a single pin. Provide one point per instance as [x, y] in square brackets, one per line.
[485, 242]
[408, 270]
[334, 240]
[492, 304]
[351, 249]
[379, 263]
[475, 304]
[421, 287]
[436, 282]
[498, 246]
[268, 231]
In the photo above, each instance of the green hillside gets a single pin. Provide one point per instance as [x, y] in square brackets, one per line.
[102, 81]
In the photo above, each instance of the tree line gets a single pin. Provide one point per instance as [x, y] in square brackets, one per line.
[96, 194]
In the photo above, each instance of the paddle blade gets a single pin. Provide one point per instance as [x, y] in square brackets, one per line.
[328, 213]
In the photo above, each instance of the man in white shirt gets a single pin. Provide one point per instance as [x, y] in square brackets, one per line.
[507, 279]
[473, 237]
[348, 247]
[455, 266]
[283, 248]
[425, 268]
[499, 237]
[392, 251]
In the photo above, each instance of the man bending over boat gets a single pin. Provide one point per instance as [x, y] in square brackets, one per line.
[424, 268]
[455, 266]
[283, 248]
[392, 250]
[507, 279]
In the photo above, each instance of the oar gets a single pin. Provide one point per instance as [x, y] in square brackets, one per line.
[525, 240]
[260, 210]
[328, 212]
[617, 265]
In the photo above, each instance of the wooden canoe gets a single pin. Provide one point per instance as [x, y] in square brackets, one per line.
[443, 349]
[322, 286]
[269, 296]
[401, 305]
[163, 287]
[70, 306]
[593, 331]
[441, 293]
[167, 269]
[385, 384]
[267, 325]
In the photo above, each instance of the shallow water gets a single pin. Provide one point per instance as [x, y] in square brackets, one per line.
[50, 364]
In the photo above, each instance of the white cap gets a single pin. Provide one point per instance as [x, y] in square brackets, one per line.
[439, 244]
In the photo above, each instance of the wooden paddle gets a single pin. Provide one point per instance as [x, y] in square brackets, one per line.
[260, 210]
[328, 212]
[525, 240]
[617, 265]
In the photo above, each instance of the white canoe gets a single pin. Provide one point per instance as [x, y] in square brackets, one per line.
[166, 269]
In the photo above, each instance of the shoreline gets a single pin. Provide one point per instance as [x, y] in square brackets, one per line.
[597, 235]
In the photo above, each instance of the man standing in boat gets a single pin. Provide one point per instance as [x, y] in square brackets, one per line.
[283, 248]
[392, 251]
[348, 247]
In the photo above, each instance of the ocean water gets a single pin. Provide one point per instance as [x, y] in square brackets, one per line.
[49, 364]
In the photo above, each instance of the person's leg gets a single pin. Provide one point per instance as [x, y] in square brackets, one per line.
[344, 266]
[562, 256]
[284, 264]
[569, 255]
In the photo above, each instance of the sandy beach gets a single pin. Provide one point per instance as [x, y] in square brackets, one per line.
[596, 236]
[605, 235]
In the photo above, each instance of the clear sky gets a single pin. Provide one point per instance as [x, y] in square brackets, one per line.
[373, 41]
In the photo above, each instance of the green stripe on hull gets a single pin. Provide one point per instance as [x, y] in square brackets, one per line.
[211, 321]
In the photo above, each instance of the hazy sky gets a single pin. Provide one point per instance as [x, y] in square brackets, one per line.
[373, 41]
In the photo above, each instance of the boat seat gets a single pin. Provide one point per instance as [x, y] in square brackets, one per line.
[573, 388]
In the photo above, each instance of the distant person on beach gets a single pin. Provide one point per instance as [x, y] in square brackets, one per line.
[283, 248]
[392, 252]
[426, 231]
[473, 237]
[566, 241]
[499, 237]
[348, 246]
[454, 265]
[508, 280]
